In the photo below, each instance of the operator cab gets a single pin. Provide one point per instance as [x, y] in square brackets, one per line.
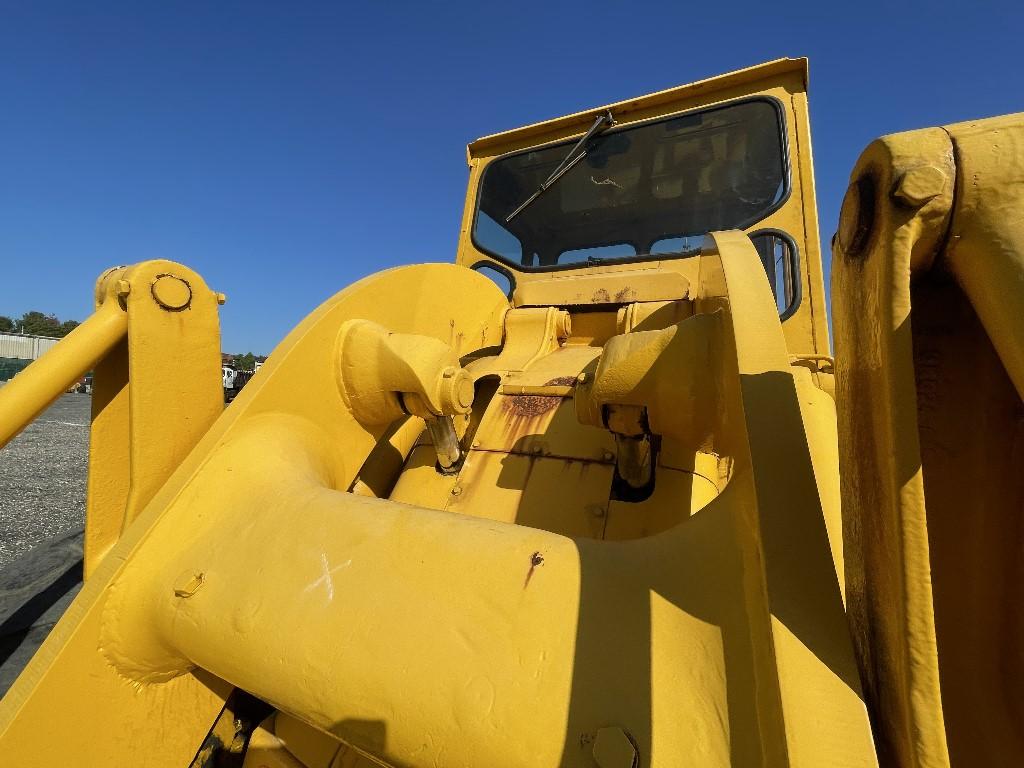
[637, 185]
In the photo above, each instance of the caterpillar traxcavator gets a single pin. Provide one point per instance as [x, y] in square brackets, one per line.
[623, 511]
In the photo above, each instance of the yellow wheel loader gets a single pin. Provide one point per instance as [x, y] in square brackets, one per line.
[624, 510]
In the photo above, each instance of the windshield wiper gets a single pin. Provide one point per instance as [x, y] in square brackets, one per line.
[603, 122]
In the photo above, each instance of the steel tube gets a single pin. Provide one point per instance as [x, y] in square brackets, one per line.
[28, 394]
[446, 442]
[402, 643]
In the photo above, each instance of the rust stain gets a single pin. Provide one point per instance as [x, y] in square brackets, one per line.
[528, 413]
[530, 406]
[626, 294]
[600, 296]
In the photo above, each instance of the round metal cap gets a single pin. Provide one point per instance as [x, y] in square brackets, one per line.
[462, 390]
[171, 293]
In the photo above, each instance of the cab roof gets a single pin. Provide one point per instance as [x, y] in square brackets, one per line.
[567, 125]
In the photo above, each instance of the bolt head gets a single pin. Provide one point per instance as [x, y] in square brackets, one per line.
[123, 288]
[460, 388]
[919, 185]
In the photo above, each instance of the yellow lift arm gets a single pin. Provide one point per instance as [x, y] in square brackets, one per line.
[928, 296]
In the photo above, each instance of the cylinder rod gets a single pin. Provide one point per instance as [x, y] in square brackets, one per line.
[446, 442]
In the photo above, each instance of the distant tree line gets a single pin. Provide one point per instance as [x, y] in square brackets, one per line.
[38, 324]
[246, 362]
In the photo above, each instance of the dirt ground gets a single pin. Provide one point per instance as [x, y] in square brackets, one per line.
[42, 477]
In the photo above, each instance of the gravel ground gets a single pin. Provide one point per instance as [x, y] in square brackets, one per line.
[42, 477]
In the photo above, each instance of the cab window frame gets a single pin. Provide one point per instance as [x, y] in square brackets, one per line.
[787, 181]
[797, 263]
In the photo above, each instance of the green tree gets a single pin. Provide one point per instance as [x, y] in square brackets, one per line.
[67, 327]
[246, 362]
[39, 324]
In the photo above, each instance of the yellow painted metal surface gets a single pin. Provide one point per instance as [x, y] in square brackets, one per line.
[137, 441]
[598, 525]
[284, 742]
[623, 286]
[927, 294]
[154, 394]
[462, 639]
[163, 724]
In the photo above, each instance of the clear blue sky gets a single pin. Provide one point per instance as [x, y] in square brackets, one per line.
[285, 149]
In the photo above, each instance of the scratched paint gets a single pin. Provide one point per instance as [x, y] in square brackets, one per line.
[326, 578]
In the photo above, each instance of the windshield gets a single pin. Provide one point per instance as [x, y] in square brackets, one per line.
[656, 188]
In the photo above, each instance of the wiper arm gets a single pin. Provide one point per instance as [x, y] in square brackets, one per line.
[682, 252]
[603, 122]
